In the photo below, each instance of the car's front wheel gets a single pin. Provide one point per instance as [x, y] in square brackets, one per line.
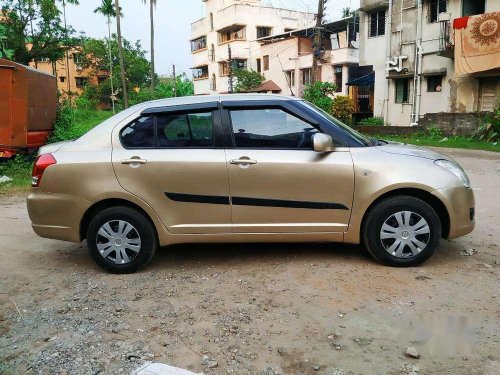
[121, 239]
[401, 231]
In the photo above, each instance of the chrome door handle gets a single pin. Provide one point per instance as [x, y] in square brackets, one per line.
[134, 161]
[242, 161]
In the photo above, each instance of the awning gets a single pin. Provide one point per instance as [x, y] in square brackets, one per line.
[199, 66]
[367, 80]
[434, 72]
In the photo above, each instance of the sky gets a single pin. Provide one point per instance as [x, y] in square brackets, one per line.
[172, 24]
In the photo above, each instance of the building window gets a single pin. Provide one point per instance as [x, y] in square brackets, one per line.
[213, 83]
[434, 83]
[266, 62]
[472, 7]
[306, 76]
[377, 23]
[200, 72]
[237, 64]
[81, 82]
[436, 7]
[402, 90]
[240, 64]
[62, 78]
[77, 58]
[259, 66]
[232, 33]
[337, 71]
[211, 22]
[290, 77]
[287, 30]
[262, 32]
[198, 43]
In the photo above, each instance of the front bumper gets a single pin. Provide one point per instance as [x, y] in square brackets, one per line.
[460, 204]
[55, 215]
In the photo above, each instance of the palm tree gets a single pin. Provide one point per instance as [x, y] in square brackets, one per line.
[152, 5]
[120, 53]
[107, 9]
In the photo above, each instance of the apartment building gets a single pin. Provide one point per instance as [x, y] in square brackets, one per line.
[415, 48]
[235, 24]
[287, 61]
[71, 75]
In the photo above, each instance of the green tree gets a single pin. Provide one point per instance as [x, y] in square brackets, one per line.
[152, 5]
[5, 53]
[96, 57]
[319, 93]
[247, 80]
[33, 30]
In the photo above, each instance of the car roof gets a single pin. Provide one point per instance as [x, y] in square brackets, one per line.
[198, 99]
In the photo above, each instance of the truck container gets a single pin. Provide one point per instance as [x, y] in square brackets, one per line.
[28, 105]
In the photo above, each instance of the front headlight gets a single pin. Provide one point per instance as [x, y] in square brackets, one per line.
[455, 169]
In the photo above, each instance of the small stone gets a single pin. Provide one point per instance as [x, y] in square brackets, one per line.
[316, 368]
[412, 352]
[422, 277]
[281, 351]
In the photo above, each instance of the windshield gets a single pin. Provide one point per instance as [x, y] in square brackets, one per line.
[353, 133]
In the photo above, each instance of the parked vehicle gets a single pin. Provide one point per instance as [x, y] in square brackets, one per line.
[28, 104]
[244, 168]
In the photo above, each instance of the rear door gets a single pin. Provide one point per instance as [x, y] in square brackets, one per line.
[174, 161]
[277, 182]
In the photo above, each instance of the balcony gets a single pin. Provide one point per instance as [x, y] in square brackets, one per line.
[232, 33]
[446, 43]
[199, 27]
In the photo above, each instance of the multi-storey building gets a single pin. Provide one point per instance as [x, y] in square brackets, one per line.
[235, 25]
[288, 59]
[71, 75]
[416, 50]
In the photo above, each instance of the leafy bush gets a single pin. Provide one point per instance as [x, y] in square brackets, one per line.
[489, 130]
[247, 80]
[343, 108]
[433, 132]
[164, 89]
[319, 95]
[372, 121]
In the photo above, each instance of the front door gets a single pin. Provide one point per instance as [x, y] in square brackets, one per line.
[278, 183]
[173, 162]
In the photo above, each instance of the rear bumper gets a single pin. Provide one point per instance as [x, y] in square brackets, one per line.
[460, 204]
[55, 215]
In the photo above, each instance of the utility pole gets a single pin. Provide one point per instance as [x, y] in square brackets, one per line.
[317, 40]
[230, 66]
[175, 80]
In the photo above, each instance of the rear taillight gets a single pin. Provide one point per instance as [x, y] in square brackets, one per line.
[41, 164]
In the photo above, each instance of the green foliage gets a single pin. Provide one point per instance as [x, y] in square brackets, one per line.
[489, 130]
[319, 95]
[72, 122]
[435, 133]
[5, 53]
[343, 108]
[107, 9]
[372, 121]
[19, 169]
[164, 89]
[95, 58]
[247, 80]
[34, 30]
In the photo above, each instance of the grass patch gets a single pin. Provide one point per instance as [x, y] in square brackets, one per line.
[451, 142]
[71, 124]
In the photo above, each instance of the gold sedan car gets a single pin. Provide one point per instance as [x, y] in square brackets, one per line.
[243, 168]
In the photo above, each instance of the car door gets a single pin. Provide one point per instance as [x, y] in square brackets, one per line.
[277, 182]
[174, 161]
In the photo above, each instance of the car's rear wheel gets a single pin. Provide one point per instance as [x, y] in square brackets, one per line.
[121, 239]
[401, 231]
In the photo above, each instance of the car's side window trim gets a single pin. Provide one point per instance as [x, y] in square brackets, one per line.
[216, 128]
[231, 142]
[198, 107]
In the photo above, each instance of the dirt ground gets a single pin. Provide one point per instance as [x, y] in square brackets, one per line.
[255, 308]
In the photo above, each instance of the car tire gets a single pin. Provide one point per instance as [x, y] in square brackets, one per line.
[121, 239]
[396, 238]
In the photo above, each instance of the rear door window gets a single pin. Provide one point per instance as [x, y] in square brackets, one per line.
[185, 130]
[140, 133]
